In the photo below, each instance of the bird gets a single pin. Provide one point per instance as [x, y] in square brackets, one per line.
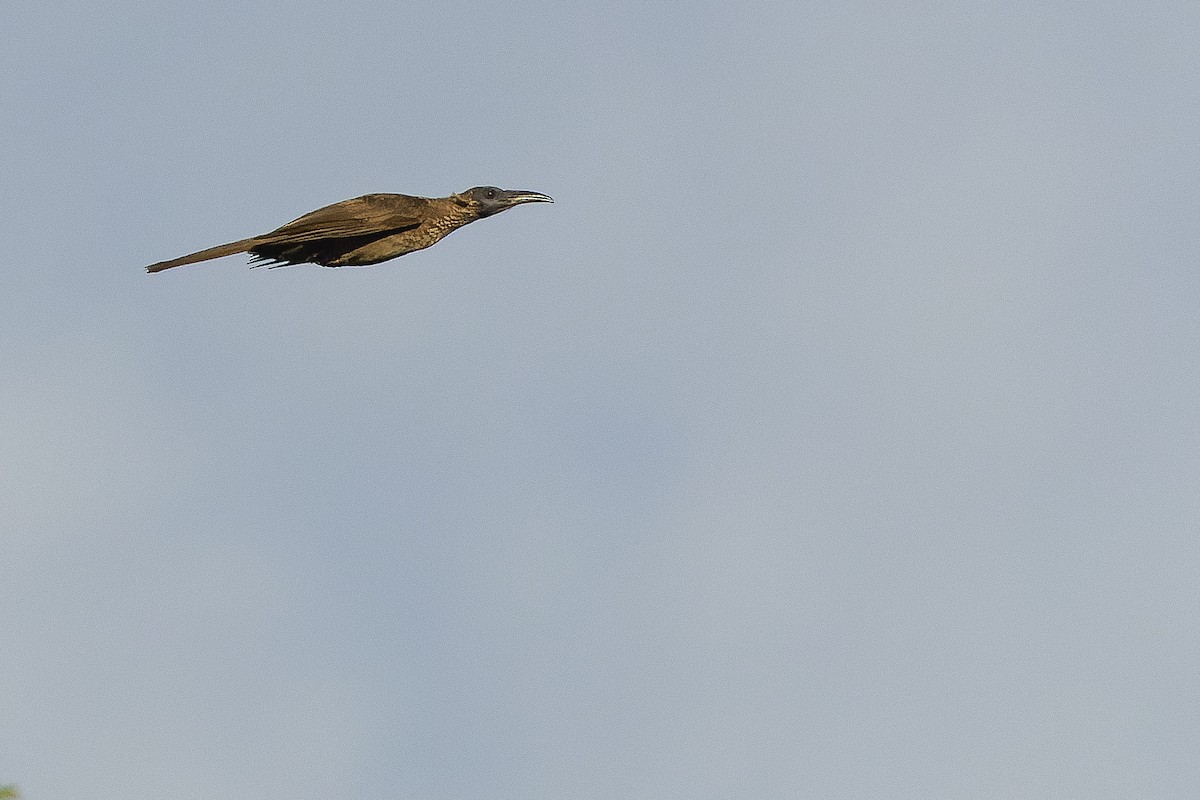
[365, 230]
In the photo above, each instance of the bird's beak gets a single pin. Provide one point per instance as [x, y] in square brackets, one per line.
[518, 196]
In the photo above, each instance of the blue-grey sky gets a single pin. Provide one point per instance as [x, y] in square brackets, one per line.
[835, 434]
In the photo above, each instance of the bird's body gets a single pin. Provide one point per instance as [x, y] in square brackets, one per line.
[366, 230]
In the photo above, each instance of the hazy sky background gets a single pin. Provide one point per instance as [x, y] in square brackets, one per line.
[834, 435]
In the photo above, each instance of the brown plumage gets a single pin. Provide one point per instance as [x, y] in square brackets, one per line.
[365, 230]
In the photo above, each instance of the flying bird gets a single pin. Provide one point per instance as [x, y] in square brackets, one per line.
[365, 230]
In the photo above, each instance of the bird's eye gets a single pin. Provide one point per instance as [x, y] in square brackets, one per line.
[490, 194]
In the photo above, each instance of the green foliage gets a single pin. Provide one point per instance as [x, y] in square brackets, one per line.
[9, 793]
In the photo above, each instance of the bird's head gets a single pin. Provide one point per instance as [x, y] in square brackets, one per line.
[488, 200]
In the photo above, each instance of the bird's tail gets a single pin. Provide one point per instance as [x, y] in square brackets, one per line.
[204, 255]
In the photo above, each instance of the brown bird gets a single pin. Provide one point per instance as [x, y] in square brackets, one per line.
[365, 230]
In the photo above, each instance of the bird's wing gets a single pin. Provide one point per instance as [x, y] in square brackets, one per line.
[370, 214]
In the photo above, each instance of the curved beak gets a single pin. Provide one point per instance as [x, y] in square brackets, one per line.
[515, 197]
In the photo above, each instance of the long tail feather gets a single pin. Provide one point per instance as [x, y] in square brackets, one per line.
[204, 255]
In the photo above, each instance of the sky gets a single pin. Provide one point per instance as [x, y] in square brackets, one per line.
[835, 434]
